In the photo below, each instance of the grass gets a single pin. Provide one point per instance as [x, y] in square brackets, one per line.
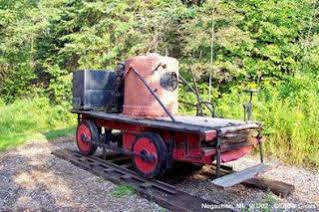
[27, 120]
[267, 204]
[123, 190]
[52, 134]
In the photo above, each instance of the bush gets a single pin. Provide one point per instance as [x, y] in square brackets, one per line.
[1, 103]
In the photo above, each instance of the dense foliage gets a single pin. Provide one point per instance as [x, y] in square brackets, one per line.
[272, 45]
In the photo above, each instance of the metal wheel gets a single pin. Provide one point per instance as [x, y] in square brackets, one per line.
[149, 155]
[86, 132]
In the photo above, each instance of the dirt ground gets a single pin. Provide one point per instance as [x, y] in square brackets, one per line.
[32, 178]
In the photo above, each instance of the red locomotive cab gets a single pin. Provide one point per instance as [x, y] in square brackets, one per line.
[161, 75]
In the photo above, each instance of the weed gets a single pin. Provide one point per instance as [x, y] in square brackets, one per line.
[123, 190]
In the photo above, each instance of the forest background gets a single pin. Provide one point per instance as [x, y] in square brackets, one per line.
[233, 45]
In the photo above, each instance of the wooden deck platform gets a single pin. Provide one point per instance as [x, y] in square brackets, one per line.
[192, 124]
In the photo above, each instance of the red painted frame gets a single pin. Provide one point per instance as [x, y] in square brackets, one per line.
[182, 146]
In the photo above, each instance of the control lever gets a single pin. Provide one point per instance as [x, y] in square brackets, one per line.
[248, 107]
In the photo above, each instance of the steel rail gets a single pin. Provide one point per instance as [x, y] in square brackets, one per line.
[164, 194]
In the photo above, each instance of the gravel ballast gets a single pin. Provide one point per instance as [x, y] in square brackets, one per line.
[32, 178]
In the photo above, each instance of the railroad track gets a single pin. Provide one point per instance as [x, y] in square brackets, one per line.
[117, 170]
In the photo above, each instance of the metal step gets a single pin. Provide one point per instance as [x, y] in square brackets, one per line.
[241, 176]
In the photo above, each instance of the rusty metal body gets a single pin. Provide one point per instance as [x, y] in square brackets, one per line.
[159, 73]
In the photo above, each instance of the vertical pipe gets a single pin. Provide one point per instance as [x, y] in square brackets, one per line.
[79, 118]
[211, 53]
[218, 162]
[261, 152]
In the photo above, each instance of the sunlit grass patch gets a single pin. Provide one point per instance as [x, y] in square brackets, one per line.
[123, 190]
[27, 120]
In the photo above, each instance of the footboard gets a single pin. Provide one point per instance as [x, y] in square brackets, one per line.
[236, 141]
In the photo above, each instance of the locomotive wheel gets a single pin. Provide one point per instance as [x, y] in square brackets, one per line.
[149, 155]
[86, 131]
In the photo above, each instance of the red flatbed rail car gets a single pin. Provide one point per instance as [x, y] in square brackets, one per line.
[133, 111]
[154, 144]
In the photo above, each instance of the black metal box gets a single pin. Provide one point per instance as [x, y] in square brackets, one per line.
[93, 90]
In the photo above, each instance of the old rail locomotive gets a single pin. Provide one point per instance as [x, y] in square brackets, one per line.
[133, 110]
